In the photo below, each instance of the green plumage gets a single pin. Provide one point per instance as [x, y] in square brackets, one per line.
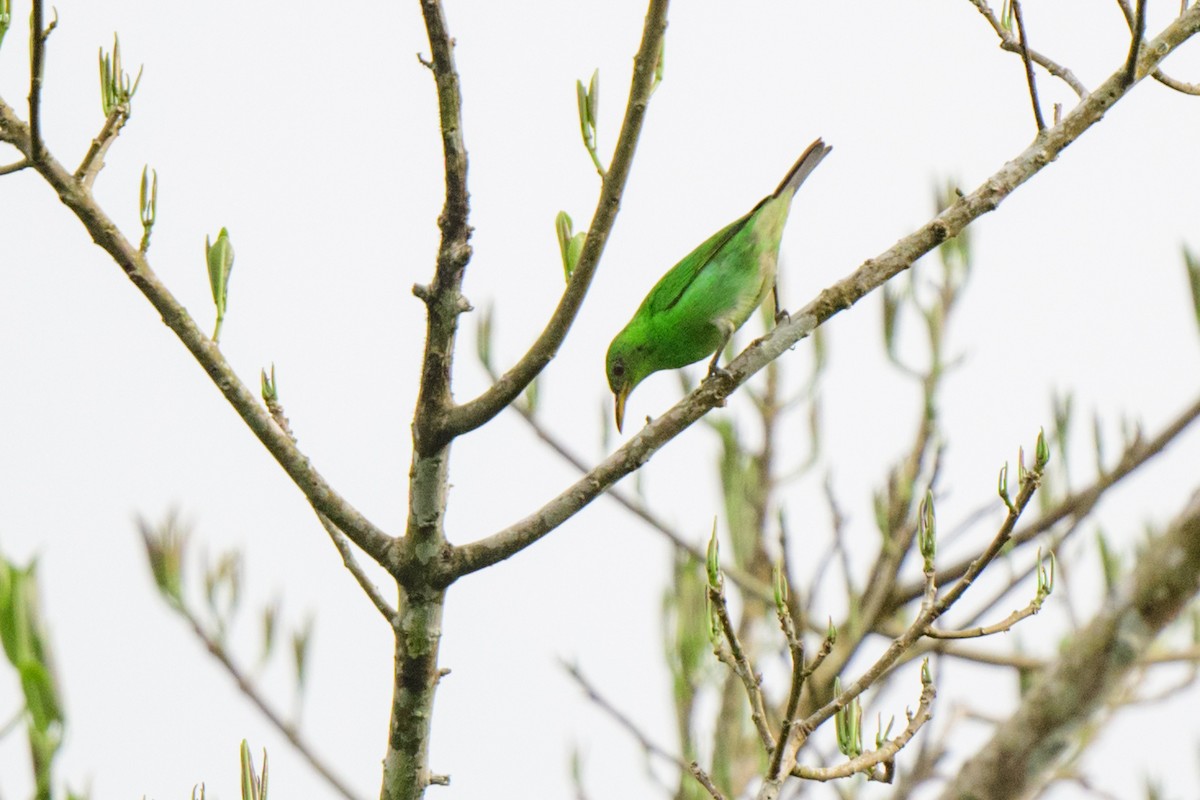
[695, 308]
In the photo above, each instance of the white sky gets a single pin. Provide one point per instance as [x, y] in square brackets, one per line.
[311, 135]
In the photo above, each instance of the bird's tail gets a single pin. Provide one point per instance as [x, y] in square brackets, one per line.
[803, 167]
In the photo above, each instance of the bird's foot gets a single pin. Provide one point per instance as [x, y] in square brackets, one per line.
[782, 316]
[719, 372]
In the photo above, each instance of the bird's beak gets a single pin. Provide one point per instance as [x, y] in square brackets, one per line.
[620, 396]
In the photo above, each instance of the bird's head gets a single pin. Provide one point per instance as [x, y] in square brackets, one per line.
[626, 367]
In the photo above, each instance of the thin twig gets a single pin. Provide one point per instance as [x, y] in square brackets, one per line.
[739, 662]
[931, 609]
[1092, 665]
[1033, 95]
[108, 236]
[1139, 33]
[37, 65]
[217, 650]
[979, 631]
[885, 754]
[1078, 505]
[364, 581]
[744, 580]
[93, 161]
[473, 413]
[796, 651]
[1158, 74]
[842, 295]
[16, 166]
[1009, 42]
[647, 744]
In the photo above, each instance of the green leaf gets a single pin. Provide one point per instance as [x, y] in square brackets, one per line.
[220, 264]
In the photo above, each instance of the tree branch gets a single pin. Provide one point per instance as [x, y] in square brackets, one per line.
[93, 161]
[443, 298]
[104, 232]
[842, 295]
[1075, 506]
[1009, 42]
[472, 414]
[1027, 59]
[37, 64]
[217, 650]
[1095, 661]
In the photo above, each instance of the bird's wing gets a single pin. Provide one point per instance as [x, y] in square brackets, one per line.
[671, 287]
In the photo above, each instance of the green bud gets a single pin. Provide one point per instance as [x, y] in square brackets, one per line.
[270, 389]
[848, 723]
[882, 733]
[1192, 263]
[254, 786]
[116, 88]
[779, 581]
[593, 102]
[926, 673]
[148, 205]
[927, 529]
[891, 309]
[1002, 486]
[531, 396]
[165, 547]
[301, 645]
[5, 17]
[1041, 451]
[570, 244]
[831, 633]
[220, 264]
[585, 123]
[483, 338]
[1045, 575]
[660, 65]
[270, 624]
[712, 558]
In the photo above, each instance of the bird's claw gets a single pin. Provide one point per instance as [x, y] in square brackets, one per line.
[719, 372]
[782, 316]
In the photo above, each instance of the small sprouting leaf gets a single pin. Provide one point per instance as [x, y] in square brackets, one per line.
[1192, 263]
[712, 560]
[1041, 451]
[593, 102]
[927, 529]
[780, 584]
[220, 264]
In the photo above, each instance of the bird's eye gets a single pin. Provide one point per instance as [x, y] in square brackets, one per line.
[618, 369]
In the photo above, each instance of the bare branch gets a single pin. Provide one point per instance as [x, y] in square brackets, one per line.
[884, 754]
[744, 580]
[364, 581]
[1158, 74]
[1009, 42]
[247, 688]
[1097, 659]
[1079, 504]
[839, 297]
[37, 65]
[648, 744]
[443, 297]
[93, 161]
[16, 166]
[1138, 28]
[1033, 95]
[737, 660]
[105, 233]
[472, 414]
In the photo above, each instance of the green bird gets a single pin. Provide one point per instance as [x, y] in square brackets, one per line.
[696, 307]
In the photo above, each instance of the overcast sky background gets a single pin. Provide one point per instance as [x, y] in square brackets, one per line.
[312, 135]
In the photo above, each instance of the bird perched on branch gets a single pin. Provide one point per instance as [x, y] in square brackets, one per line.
[695, 308]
